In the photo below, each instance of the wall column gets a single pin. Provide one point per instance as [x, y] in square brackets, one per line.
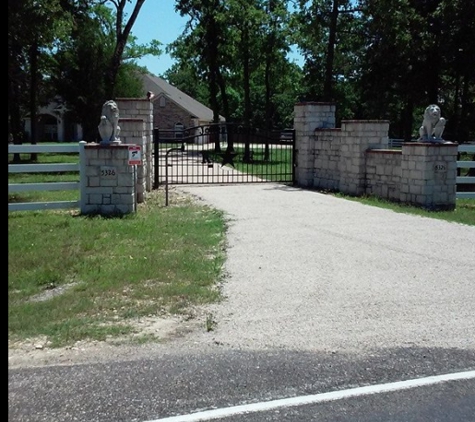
[429, 175]
[309, 116]
[136, 127]
[108, 182]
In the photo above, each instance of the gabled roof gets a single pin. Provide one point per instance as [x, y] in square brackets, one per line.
[160, 87]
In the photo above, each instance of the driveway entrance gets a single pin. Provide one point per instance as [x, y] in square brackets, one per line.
[223, 153]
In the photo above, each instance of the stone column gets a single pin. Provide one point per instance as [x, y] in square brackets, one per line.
[132, 131]
[136, 124]
[357, 136]
[309, 116]
[108, 182]
[429, 175]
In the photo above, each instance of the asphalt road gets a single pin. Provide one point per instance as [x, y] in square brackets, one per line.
[322, 295]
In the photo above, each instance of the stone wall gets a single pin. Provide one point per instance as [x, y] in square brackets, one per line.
[383, 174]
[327, 159]
[355, 160]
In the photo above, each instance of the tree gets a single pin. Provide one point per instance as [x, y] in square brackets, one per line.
[80, 62]
[122, 32]
[207, 28]
[328, 34]
[419, 52]
[34, 29]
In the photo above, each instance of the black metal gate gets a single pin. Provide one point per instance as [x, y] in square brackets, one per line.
[223, 153]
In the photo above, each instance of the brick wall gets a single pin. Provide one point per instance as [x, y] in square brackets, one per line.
[166, 117]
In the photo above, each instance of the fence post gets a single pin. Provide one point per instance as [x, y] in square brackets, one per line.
[82, 176]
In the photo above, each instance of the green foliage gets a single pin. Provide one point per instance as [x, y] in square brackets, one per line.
[384, 59]
[77, 52]
[246, 75]
[35, 29]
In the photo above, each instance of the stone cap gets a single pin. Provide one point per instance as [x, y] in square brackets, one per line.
[364, 121]
[95, 145]
[384, 151]
[132, 99]
[302, 103]
[431, 144]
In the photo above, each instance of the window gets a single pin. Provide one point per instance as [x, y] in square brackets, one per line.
[179, 128]
[162, 101]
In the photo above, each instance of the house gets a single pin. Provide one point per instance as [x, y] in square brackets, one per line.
[173, 112]
[54, 124]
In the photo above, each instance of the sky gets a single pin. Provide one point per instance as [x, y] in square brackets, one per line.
[158, 20]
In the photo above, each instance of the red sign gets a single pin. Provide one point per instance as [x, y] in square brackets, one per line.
[135, 155]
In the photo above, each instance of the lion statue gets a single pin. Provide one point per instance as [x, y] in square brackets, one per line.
[108, 126]
[432, 124]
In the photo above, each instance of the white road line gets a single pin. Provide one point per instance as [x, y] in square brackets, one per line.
[317, 398]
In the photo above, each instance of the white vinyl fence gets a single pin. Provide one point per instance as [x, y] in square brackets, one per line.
[45, 168]
[462, 180]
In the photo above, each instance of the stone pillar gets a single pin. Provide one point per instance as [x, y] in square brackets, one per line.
[429, 175]
[357, 136]
[132, 131]
[309, 116]
[136, 124]
[108, 182]
[61, 137]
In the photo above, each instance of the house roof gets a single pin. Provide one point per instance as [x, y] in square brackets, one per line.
[160, 87]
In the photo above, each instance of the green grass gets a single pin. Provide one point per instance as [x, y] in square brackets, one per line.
[275, 166]
[107, 272]
[464, 212]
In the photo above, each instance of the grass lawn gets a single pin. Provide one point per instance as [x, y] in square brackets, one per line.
[110, 271]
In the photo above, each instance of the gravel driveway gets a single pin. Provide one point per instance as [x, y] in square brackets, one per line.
[310, 271]
[307, 271]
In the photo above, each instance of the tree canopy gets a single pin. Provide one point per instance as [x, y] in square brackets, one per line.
[375, 59]
[81, 52]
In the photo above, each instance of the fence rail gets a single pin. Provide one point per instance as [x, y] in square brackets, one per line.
[43, 168]
[465, 164]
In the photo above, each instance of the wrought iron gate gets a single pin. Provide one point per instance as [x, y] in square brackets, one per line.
[223, 153]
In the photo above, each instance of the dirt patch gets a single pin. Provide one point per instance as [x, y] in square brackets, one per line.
[150, 333]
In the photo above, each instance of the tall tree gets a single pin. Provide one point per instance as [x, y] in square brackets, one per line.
[328, 34]
[80, 62]
[418, 53]
[34, 29]
[206, 29]
[123, 28]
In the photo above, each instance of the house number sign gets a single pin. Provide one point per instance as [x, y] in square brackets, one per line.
[108, 172]
[440, 167]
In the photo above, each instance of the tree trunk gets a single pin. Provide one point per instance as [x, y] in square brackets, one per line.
[121, 41]
[15, 127]
[33, 95]
[328, 82]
